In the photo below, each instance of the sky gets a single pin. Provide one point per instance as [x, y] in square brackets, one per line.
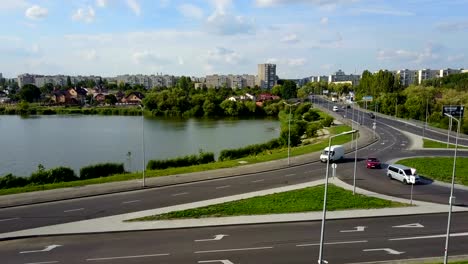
[195, 38]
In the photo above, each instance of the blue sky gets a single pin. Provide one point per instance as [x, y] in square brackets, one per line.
[195, 38]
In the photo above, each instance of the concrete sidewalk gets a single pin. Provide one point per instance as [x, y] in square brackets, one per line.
[116, 223]
[12, 200]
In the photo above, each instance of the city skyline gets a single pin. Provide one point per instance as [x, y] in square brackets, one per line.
[198, 38]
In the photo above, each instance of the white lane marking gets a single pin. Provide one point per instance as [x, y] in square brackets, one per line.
[410, 225]
[356, 229]
[222, 187]
[48, 248]
[178, 194]
[216, 237]
[311, 171]
[388, 250]
[129, 257]
[8, 219]
[334, 243]
[427, 237]
[134, 201]
[224, 261]
[289, 175]
[232, 249]
[258, 180]
[45, 262]
[73, 210]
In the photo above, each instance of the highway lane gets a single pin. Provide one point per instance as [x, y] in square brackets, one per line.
[346, 241]
[24, 217]
[392, 145]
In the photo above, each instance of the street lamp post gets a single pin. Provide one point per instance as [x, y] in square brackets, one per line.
[452, 198]
[322, 230]
[355, 156]
[289, 130]
[143, 143]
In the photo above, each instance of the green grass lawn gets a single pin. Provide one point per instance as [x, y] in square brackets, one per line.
[303, 200]
[440, 168]
[266, 156]
[427, 143]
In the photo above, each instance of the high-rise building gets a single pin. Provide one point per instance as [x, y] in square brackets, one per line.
[266, 76]
[426, 74]
[407, 77]
[340, 77]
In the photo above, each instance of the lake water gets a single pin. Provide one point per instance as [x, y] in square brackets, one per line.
[78, 141]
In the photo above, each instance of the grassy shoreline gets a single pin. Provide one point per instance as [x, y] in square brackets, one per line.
[296, 201]
[266, 156]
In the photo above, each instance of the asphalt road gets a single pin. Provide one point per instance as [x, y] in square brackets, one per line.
[392, 145]
[346, 241]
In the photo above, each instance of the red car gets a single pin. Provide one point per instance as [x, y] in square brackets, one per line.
[372, 163]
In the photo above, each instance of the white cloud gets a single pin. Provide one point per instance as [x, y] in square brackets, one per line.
[101, 3]
[36, 12]
[227, 24]
[135, 6]
[291, 38]
[453, 26]
[456, 58]
[382, 11]
[324, 21]
[191, 11]
[15, 4]
[89, 55]
[148, 58]
[84, 15]
[296, 62]
[224, 55]
[270, 3]
[424, 56]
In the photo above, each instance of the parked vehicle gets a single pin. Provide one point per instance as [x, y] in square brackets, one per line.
[372, 163]
[371, 115]
[335, 108]
[334, 99]
[402, 173]
[336, 153]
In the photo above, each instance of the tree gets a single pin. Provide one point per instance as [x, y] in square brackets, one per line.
[289, 89]
[47, 88]
[29, 93]
[69, 83]
[110, 99]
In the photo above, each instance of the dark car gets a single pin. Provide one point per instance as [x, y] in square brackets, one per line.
[371, 115]
[372, 163]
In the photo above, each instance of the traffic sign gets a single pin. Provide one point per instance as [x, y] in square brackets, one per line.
[454, 110]
[334, 165]
[367, 98]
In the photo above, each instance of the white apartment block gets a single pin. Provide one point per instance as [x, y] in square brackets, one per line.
[407, 77]
[230, 81]
[340, 76]
[448, 71]
[426, 74]
[266, 76]
[148, 81]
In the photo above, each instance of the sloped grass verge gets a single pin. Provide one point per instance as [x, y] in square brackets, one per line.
[439, 168]
[297, 201]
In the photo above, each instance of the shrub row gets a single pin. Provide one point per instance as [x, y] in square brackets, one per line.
[230, 154]
[101, 170]
[61, 174]
[66, 110]
[189, 160]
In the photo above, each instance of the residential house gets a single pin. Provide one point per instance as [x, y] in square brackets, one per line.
[133, 98]
[59, 97]
[246, 97]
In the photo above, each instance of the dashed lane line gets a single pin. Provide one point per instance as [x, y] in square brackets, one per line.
[73, 210]
[129, 257]
[232, 249]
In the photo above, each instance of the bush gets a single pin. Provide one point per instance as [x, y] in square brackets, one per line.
[101, 170]
[189, 160]
[55, 175]
[327, 121]
[312, 128]
[230, 154]
[11, 181]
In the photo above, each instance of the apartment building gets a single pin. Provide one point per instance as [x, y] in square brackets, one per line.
[266, 76]
[448, 71]
[147, 81]
[230, 81]
[216, 81]
[407, 77]
[426, 74]
[340, 76]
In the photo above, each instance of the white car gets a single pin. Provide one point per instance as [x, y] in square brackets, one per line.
[335, 108]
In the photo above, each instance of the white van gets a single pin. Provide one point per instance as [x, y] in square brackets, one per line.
[336, 153]
[401, 173]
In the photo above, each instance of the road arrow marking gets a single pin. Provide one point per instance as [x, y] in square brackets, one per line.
[357, 229]
[415, 225]
[48, 248]
[216, 237]
[389, 250]
[224, 261]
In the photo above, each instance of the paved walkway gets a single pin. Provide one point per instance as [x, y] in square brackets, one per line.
[116, 187]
